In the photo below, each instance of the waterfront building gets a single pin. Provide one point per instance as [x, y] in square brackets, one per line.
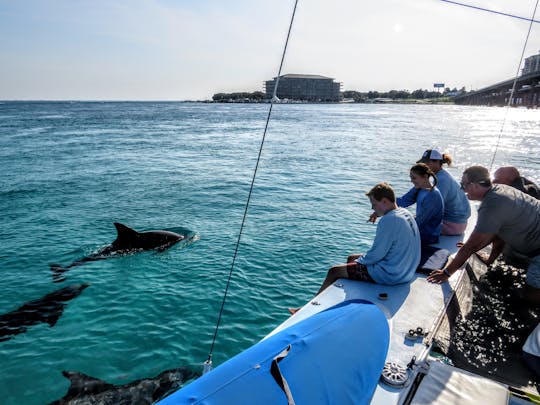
[304, 87]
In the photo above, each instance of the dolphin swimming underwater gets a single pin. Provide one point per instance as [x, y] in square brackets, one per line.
[127, 241]
[89, 390]
[47, 309]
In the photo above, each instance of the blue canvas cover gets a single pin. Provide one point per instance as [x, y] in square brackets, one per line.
[336, 357]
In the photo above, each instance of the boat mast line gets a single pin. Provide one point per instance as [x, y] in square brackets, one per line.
[511, 97]
[208, 362]
[491, 11]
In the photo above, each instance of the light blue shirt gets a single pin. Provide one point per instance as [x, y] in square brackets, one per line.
[429, 212]
[456, 205]
[395, 253]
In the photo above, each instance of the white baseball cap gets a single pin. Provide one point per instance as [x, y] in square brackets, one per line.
[430, 154]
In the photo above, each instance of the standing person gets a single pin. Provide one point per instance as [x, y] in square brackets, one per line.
[429, 203]
[457, 209]
[505, 216]
[395, 253]
[510, 176]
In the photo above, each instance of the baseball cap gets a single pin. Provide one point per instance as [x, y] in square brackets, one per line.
[430, 154]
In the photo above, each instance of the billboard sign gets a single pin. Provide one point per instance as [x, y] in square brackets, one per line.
[438, 85]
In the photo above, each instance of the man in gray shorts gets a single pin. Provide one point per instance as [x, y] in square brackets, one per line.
[505, 216]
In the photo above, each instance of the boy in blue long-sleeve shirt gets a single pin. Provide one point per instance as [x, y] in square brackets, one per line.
[395, 253]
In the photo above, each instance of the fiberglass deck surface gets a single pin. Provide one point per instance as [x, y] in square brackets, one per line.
[408, 306]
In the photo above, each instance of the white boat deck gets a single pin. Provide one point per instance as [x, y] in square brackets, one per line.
[408, 306]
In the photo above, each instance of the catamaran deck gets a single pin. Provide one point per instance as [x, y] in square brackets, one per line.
[418, 304]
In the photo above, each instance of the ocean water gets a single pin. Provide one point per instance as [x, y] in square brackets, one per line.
[71, 169]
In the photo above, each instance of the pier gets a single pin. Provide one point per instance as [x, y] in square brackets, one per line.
[526, 93]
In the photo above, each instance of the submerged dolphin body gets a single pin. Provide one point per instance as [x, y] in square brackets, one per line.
[89, 390]
[127, 241]
[47, 309]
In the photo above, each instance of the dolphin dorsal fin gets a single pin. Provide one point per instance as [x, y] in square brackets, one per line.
[124, 231]
[126, 236]
[82, 384]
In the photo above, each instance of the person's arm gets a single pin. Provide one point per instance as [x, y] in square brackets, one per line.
[381, 244]
[496, 249]
[408, 199]
[475, 242]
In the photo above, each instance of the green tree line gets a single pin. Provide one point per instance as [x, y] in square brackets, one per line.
[357, 96]
[256, 95]
[419, 94]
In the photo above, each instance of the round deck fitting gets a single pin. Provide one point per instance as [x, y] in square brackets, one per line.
[394, 375]
[411, 335]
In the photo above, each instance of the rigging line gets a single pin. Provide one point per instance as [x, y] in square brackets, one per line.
[511, 97]
[492, 11]
[251, 188]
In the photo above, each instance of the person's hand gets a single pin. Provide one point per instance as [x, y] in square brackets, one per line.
[437, 277]
[372, 217]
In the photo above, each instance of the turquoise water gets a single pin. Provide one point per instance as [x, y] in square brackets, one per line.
[69, 170]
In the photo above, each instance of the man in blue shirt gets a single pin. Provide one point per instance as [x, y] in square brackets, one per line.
[395, 253]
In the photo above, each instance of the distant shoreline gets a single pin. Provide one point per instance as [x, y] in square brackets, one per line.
[409, 101]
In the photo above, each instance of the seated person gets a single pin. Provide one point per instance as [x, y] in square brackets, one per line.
[457, 209]
[510, 176]
[429, 203]
[395, 253]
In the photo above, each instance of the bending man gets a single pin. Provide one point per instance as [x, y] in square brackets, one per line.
[505, 216]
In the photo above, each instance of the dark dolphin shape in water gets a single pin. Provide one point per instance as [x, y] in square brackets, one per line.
[47, 309]
[89, 390]
[127, 241]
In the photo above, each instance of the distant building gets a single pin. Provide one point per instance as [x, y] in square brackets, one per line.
[304, 87]
[532, 64]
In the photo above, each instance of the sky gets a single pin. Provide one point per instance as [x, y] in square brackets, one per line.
[192, 49]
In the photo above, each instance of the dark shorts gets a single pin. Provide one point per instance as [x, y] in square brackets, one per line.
[357, 271]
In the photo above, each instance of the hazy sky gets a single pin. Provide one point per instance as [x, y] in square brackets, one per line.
[191, 49]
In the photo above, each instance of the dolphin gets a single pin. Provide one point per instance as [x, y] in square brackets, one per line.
[47, 309]
[89, 390]
[127, 241]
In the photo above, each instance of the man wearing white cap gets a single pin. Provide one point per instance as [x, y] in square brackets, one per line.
[456, 206]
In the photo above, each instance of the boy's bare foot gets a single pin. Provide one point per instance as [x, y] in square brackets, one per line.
[293, 311]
